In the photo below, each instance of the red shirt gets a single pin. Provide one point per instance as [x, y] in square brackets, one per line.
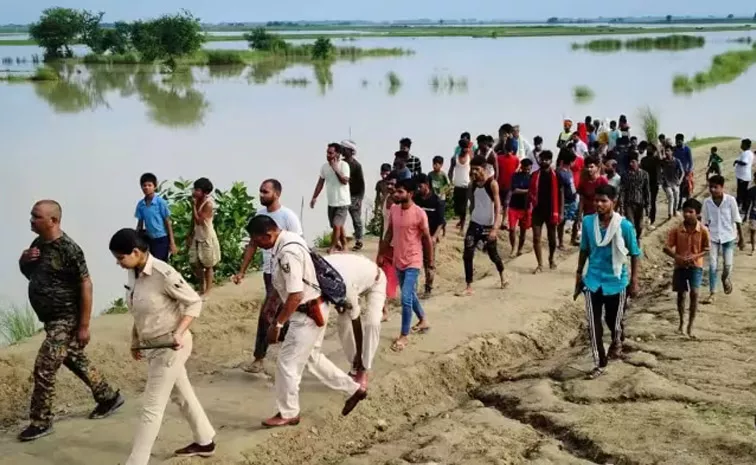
[508, 164]
[577, 170]
[587, 193]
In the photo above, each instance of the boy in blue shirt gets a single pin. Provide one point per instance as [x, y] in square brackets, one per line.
[154, 217]
[607, 240]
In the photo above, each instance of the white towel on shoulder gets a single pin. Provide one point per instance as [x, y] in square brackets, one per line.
[613, 235]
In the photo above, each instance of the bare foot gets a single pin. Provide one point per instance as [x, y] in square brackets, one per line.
[504, 282]
[690, 333]
[680, 329]
[561, 247]
[513, 254]
[466, 293]
[552, 266]
[538, 270]
[709, 300]
[519, 253]
[385, 317]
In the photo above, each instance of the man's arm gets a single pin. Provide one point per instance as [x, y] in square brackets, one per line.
[249, 254]
[343, 176]
[85, 305]
[491, 159]
[318, 190]
[427, 243]
[385, 243]
[497, 207]
[646, 192]
[452, 164]
[582, 259]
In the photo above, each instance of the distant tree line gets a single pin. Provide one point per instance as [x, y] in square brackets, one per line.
[165, 38]
[264, 41]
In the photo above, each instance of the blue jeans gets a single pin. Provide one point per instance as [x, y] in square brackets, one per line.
[410, 303]
[727, 250]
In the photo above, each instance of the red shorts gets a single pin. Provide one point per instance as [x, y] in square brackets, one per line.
[519, 216]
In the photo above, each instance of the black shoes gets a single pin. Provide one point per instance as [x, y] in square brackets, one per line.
[195, 450]
[107, 408]
[33, 432]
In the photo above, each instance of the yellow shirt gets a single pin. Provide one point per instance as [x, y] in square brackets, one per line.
[159, 298]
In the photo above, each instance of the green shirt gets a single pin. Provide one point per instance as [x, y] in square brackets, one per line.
[55, 279]
[439, 181]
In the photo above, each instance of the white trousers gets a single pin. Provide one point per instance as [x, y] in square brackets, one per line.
[167, 374]
[375, 298]
[302, 347]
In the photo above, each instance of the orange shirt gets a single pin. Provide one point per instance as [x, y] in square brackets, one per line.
[407, 232]
[689, 242]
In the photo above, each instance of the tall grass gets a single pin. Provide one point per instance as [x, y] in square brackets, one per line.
[582, 94]
[17, 324]
[395, 82]
[448, 84]
[224, 57]
[117, 307]
[724, 69]
[323, 241]
[669, 42]
[649, 124]
[296, 82]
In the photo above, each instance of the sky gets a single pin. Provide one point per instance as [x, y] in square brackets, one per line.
[310, 10]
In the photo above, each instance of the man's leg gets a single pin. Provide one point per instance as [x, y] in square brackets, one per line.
[560, 234]
[670, 193]
[346, 336]
[493, 254]
[682, 192]
[652, 207]
[713, 264]
[678, 199]
[471, 238]
[320, 365]
[537, 245]
[523, 234]
[680, 286]
[411, 276]
[614, 310]
[728, 255]
[355, 211]
[160, 248]
[551, 236]
[371, 323]
[696, 276]
[593, 310]
[78, 363]
[292, 359]
[406, 298]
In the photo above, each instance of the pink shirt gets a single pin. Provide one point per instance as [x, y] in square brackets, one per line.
[407, 230]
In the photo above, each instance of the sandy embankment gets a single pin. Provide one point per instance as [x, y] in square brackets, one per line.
[413, 414]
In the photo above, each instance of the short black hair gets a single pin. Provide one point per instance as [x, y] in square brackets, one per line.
[717, 180]
[588, 120]
[336, 146]
[714, 149]
[546, 155]
[692, 204]
[402, 154]
[408, 185]
[438, 159]
[643, 146]
[148, 177]
[633, 156]
[612, 123]
[679, 136]
[607, 190]
[634, 138]
[478, 160]
[386, 167]
[481, 138]
[405, 142]
[204, 185]
[566, 156]
[746, 144]
[506, 128]
[465, 135]
[592, 161]
[538, 140]
[662, 137]
[526, 162]
[125, 240]
[421, 178]
[275, 183]
[261, 224]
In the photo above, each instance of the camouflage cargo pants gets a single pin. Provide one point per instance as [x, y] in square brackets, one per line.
[61, 346]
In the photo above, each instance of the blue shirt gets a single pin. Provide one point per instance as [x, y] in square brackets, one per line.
[600, 274]
[685, 156]
[403, 174]
[153, 216]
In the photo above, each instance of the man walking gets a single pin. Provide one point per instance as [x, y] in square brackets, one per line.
[356, 190]
[60, 292]
[547, 201]
[722, 216]
[409, 234]
[287, 220]
[335, 176]
[744, 173]
[635, 194]
[434, 209]
[672, 174]
[359, 331]
[651, 164]
[606, 242]
[683, 153]
[304, 307]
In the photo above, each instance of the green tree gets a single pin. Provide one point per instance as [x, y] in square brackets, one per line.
[57, 29]
[322, 49]
[730, 16]
[264, 41]
[92, 33]
[168, 37]
[553, 20]
[669, 18]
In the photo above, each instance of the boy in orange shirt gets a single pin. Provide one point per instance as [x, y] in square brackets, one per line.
[688, 244]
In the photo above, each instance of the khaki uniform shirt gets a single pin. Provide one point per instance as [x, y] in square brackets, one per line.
[159, 298]
[359, 273]
[291, 265]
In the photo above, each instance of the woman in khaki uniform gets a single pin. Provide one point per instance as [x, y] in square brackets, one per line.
[204, 248]
[163, 306]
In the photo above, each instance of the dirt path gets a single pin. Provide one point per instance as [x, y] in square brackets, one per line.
[420, 408]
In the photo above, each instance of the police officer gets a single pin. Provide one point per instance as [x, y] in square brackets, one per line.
[295, 281]
[360, 335]
[60, 292]
[163, 306]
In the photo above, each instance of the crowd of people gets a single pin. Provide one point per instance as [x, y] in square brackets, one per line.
[600, 187]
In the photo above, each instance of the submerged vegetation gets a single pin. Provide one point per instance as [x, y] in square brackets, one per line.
[296, 82]
[724, 69]
[582, 94]
[670, 42]
[741, 40]
[448, 84]
[43, 73]
[395, 82]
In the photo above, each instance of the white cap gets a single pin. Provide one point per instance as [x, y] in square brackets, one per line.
[349, 144]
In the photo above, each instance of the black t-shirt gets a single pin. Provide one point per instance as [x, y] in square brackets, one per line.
[517, 201]
[434, 210]
[356, 179]
[651, 165]
[544, 206]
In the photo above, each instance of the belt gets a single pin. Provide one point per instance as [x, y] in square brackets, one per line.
[303, 307]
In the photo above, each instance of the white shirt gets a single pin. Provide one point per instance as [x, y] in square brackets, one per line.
[581, 148]
[359, 273]
[338, 193]
[721, 219]
[291, 266]
[743, 172]
[461, 173]
[287, 220]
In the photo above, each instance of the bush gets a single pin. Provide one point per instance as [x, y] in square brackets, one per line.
[582, 94]
[45, 73]
[234, 207]
[323, 241]
[117, 307]
[650, 124]
[17, 324]
[224, 57]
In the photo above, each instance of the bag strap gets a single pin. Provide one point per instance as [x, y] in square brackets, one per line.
[307, 249]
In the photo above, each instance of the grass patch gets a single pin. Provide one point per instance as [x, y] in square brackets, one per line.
[43, 73]
[725, 68]
[741, 40]
[643, 44]
[649, 124]
[582, 94]
[117, 307]
[395, 82]
[696, 142]
[296, 82]
[323, 241]
[224, 58]
[448, 84]
[17, 324]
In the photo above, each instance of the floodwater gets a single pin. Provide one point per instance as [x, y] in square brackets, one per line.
[85, 141]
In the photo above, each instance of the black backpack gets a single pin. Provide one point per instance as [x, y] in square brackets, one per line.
[330, 283]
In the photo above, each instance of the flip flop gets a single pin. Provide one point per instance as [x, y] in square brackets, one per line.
[727, 284]
[399, 346]
[595, 373]
[417, 330]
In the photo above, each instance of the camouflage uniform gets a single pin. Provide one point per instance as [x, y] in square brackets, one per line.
[55, 295]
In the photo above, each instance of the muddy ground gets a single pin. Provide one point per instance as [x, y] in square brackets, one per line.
[498, 380]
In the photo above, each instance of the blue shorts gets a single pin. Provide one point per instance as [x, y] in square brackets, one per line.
[160, 248]
[571, 211]
[687, 279]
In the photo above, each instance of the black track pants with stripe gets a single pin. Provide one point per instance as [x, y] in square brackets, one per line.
[612, 309]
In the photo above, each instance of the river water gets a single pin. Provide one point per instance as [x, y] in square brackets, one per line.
[86, 141]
